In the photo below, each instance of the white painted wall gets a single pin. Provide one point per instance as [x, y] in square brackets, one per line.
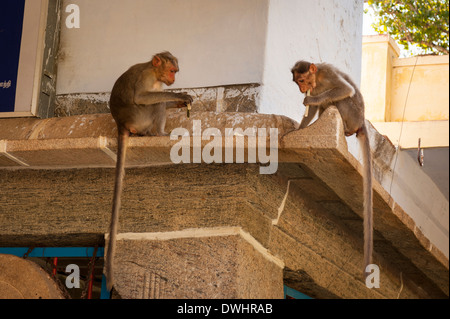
[418, 195]
[217, 42]
[317, 31]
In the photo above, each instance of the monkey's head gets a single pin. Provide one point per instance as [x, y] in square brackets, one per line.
[166, 66]
[304, 75]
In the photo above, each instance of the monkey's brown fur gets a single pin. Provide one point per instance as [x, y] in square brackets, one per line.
[329, 86]
[139, 107]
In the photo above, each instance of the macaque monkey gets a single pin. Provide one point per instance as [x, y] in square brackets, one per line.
[325, 85]
[138, 105]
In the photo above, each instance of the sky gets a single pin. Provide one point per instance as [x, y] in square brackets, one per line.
[367, 21]
[368, 30]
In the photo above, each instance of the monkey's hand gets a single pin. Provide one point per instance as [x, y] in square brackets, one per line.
[310, 101]
[181, 105]
[185, 104]
[187, 99]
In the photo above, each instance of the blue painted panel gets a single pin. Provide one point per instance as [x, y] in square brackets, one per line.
[11, 23]
[294, 293]
[54, 251]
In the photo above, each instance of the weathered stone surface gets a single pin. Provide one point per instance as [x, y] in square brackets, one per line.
[155, 199]
[94, 125]
[229, 98]
[81, 104]
[311, 235]
[90, 140]
[330, 161]
[204, 267]
[318, 234]
[23, 279]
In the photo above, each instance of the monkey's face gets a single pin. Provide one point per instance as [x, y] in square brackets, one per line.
[305, 81]
[167, 76]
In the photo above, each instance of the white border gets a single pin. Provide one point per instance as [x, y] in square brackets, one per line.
[30, 59]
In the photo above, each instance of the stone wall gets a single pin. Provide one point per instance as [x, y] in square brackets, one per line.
[231, 98]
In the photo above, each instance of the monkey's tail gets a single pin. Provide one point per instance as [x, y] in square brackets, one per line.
[368, 197]
[122, 143]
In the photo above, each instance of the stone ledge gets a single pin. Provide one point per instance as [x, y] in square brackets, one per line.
[90, 140]
[327, 156]
[203, 233]
[321, 150]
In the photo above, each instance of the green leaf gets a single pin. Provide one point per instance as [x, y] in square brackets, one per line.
[424, 23]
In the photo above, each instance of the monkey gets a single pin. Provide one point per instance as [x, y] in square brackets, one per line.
[138, 106]
[325, 85]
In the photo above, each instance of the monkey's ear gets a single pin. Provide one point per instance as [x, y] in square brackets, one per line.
[313, 68]
[156, 61]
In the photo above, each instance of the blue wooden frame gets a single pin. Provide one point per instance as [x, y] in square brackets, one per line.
[294, 293]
